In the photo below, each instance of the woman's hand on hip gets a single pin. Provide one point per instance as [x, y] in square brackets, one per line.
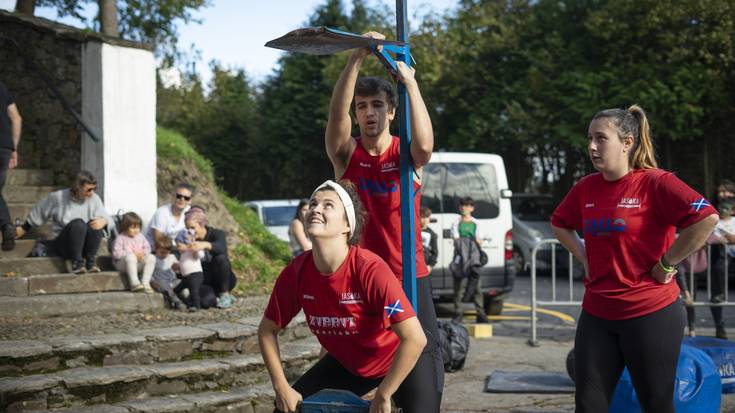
[288, 400]
[658, 274]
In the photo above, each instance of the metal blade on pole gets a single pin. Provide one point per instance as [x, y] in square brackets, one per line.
[408, 234]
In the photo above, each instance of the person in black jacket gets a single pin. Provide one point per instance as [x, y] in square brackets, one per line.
[428, 238]
[219, 279]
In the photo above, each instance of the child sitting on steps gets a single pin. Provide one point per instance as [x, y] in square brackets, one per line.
[131, 254]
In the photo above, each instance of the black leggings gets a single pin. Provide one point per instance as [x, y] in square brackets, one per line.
[427, 318]
[648, 345]
[412, 395]
[218, 274]
[78, 240]
[5, 155]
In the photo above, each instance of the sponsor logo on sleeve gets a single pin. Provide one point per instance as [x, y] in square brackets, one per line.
[699, 204]
[394, 308]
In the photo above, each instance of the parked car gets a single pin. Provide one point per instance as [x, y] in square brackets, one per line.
[275, 214]
[450, 176]
[531, 225]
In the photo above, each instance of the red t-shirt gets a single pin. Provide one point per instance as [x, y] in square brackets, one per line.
[349, 311]
[378, 181]
[628, 225]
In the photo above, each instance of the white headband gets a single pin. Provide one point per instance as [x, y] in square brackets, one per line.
[344, 197]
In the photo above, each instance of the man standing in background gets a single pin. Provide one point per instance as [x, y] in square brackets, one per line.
[10, 124]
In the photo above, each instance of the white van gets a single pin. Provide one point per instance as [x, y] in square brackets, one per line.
[275, 214]
[447, 178]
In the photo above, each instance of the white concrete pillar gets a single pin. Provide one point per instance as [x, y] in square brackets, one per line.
[119, 103]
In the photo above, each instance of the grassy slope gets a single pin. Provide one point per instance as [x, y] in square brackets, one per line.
[261, 255]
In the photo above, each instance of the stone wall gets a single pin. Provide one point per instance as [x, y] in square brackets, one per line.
[51, 138]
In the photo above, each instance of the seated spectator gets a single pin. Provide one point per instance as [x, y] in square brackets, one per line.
[297, 238]
[168, 220]
[164, 275]
[190, 266]
[79, 222]
[218, 275]
[131, 254]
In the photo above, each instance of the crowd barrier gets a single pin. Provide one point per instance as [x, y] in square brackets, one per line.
[571, 302]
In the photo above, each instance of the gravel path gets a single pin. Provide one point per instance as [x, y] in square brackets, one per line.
[20, 328]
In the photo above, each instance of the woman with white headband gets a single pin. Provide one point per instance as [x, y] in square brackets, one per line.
[355, 306]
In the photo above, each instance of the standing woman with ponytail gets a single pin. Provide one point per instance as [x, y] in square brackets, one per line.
[629, 212]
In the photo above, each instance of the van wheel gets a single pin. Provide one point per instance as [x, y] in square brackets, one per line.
[493, 306]
[518, 262]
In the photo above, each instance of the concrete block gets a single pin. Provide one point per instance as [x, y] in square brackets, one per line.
[480, 330]
[102, 376]
[51, 363]
[23, 348]
[75, 304]
[159, 405]
[189, 368]
[176, 333]
[230, 330]
[29, 384]
[14, 286]
[75, 283]
[174, 350]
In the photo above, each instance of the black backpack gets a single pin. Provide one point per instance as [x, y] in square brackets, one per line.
[454, 341]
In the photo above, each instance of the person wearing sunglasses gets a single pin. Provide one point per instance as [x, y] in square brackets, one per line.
[79, 221]
[168, 220]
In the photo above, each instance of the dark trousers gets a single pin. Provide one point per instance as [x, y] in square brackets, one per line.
[78, 240]
[5, 155]
[648, 345]
[193, 282]
[413, 395]
[717, 287]
[218, 274]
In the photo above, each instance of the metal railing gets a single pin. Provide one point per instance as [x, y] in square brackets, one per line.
[55, 91]
[571, 302]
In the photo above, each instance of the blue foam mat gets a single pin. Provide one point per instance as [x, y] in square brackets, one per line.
[528, 382]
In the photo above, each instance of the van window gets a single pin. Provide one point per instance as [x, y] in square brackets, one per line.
[431, 186]
[278, 215]
[458, 180]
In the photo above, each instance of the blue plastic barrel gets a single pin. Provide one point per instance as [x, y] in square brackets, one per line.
[722, 353]
[697, 388]
[334, 401]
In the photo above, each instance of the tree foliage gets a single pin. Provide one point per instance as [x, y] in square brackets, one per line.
[521, 78]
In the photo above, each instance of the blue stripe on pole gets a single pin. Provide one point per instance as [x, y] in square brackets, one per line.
[408, 235]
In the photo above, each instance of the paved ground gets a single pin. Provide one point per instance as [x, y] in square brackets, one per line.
[509, 350]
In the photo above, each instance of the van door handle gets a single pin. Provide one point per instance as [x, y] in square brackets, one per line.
[447, 233]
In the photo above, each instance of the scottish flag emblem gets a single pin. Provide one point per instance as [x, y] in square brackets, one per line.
[393, 309]
[699, 204]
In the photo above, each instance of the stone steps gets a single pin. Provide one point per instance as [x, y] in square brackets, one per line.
[252, 399]
[19, 357]
[43, 265]
[114, 384]
[76, 304]
[26, 194]
[24, 246]
[35, 177]
[19, 286]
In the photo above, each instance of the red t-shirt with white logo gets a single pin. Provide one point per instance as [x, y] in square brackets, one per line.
[378, 181]
[350, 311]
[628, 225]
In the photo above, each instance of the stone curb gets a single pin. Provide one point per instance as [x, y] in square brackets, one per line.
[145, 347]
[124, 384]
[75, 304]
[253, 399]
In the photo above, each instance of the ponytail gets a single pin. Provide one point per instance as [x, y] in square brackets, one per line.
[643, 156]
[633, 122]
